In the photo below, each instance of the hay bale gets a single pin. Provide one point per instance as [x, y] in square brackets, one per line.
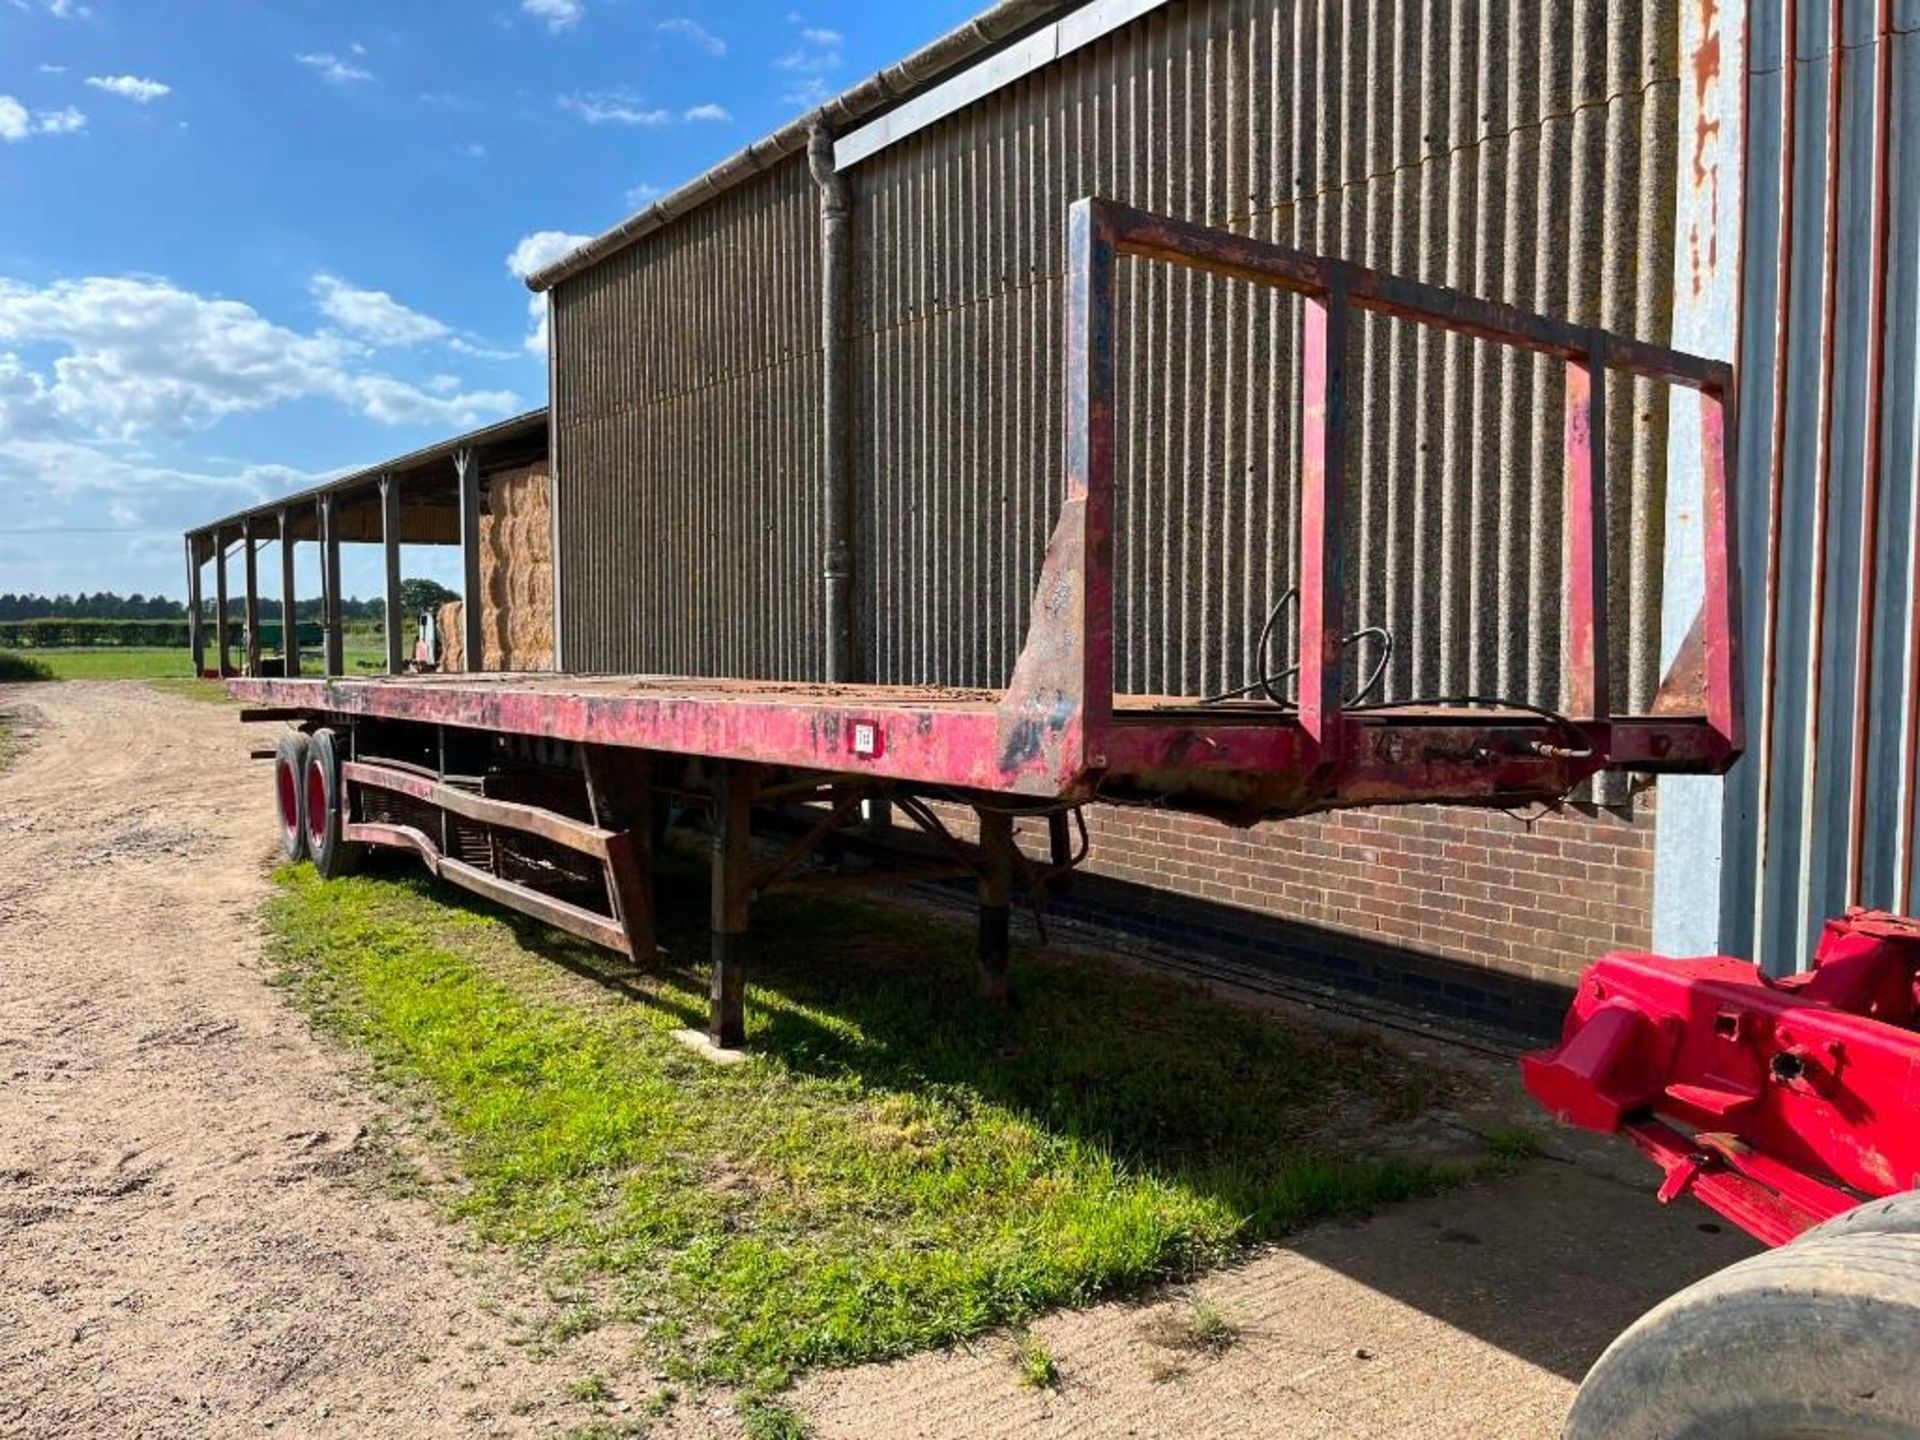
[516, 570]
[452, 636]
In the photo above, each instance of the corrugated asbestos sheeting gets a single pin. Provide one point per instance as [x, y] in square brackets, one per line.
[1524, 152]
[1823, 810]
[687, 417]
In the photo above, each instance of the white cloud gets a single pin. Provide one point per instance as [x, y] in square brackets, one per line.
[694, 33]
[373, 315]
[559, 14]
[140, 355]
[130, 87]
[17, 124]
[460, 345]
[64, 121]
[614, 107]
[819, 54]
[807, 92]
[541, 248]
[643, 193]
[65, 493]
[709, 111]
[333, 69]
[535, 252]
[52, 69]
[64, 468]
[68, 10]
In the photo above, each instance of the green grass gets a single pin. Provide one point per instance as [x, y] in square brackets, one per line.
[1208, 1329]
[7, 741]
[898, 1167]
[115, 662]
[16, 668]
[1035, 1363]
[767, 1420]
[591, 1390]
[1511, 1145]
[167, 670]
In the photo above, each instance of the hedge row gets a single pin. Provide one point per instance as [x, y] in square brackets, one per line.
[161, 634]
[51, 634]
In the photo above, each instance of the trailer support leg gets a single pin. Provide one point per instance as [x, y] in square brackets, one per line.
[996, 898]
[732, 877]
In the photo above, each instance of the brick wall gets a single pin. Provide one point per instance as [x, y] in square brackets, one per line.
[1537, 899]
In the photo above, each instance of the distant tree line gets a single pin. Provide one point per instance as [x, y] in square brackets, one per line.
[102, 605]
[105, 605]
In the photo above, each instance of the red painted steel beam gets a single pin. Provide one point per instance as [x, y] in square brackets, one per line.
[1584, 522]
[1219, 252]
[1323, 429]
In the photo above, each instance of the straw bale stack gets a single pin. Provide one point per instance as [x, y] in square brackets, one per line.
[516, 577]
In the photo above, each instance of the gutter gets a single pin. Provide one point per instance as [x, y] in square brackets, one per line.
[1005, 21]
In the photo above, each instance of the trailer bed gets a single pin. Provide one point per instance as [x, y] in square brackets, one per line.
[1242, 761]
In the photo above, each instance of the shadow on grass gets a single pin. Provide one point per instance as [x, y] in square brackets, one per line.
[902, 1165]
[1150, 1069]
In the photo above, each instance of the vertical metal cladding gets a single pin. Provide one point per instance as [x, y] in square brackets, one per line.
[1825, 807]
[1523, 151]
[687, 414]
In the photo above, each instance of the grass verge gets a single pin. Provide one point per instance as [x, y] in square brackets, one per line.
[170, 671]
[16, 668]
[898, 1166]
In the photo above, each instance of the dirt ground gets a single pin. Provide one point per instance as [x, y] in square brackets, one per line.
[199, 1233]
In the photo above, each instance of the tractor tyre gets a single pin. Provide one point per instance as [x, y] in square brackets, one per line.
[1814, 1339]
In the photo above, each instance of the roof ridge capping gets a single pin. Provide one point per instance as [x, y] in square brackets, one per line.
[1004, 21]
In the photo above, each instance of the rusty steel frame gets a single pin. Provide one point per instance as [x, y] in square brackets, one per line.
[627, 930]
[1058, 731]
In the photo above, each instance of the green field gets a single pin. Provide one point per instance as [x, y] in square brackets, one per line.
[172, 670]
[898, 1165]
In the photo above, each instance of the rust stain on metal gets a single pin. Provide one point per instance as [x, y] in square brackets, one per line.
[1706, 135]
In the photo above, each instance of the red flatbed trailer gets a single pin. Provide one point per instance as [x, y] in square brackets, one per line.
[535, 789]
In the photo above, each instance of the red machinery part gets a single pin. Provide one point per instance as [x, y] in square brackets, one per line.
[1780, 1103]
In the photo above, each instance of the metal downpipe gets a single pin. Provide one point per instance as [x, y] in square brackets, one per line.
[836, 360]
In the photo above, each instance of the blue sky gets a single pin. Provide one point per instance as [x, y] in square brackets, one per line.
[244, 246]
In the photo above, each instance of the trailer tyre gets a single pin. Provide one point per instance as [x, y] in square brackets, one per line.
[1813, 1339]
[333, 854]
[289, 792]
[1889, 1215]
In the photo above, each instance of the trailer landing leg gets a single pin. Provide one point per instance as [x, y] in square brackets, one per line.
[996, 897]
[732, 877]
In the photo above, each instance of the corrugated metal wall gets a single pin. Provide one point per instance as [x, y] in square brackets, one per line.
[1823, 811]
[687, 416]
[1520, 151]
